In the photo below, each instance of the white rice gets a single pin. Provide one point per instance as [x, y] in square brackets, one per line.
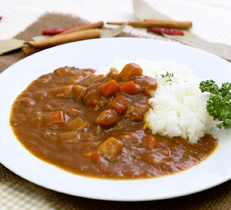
[179, 107]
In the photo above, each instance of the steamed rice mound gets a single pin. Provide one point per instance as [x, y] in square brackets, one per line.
[178, 105]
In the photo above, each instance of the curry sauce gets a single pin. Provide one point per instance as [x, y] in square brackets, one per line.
[93, 125]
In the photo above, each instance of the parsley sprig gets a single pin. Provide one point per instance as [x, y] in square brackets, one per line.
[218, 104]
[167, 76]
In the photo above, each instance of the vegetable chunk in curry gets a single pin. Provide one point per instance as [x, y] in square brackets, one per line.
[94, 125]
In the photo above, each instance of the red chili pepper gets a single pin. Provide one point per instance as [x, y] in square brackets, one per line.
[171, 31]
[56, 30]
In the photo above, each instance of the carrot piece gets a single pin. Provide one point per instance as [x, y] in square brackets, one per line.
[95, 154]
[130, 70]
[119, 103]
[165, 152]
[57, 117]
[109, 88]
[129, 88]
[151, 142]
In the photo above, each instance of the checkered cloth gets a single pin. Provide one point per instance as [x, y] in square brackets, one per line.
[20, 198]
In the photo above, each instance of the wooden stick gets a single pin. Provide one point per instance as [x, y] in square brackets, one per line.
[65, 38]
[29, 50]
[156, 23]
[83, 27]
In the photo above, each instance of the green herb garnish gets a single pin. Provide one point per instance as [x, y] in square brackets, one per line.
[218, 104]
[167, 76]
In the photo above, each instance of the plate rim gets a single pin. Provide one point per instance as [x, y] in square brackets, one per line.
[47, 51]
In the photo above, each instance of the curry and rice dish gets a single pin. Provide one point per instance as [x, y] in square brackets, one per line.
[122, 124]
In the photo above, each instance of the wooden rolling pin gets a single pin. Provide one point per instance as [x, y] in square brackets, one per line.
[156, 23]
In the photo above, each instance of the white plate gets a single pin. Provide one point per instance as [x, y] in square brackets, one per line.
[99, 53]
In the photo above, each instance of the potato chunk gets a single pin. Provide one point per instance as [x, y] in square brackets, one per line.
[130, 70]
[108, 117]
[63, 92]
[111, 148]
[77, 124]
[78, 92]
[68, 137]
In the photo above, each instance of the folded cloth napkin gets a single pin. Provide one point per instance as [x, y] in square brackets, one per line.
[216, 198]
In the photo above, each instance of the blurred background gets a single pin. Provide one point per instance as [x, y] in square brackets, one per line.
[211, 18]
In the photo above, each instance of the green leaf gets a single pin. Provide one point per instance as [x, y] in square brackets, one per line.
[219, 102]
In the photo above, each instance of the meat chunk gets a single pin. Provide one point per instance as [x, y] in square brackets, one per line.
[136, 111]
[158, 157]
[113, 74]
[133, 138]
[119, 103]
[111, 148]
[97, 79]
[130, 70]
[108, 117]
[93, 98]
[145, 84]
[75, 112]
[81, 76]
[53, 105]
